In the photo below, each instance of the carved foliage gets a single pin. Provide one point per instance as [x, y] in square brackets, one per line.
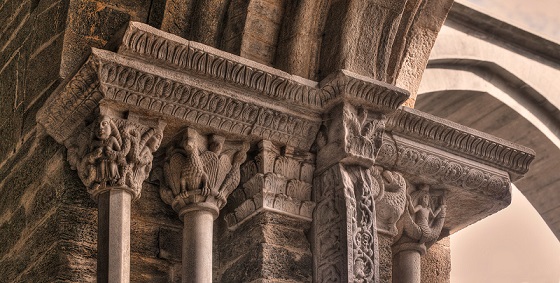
[113, 153]
[456, 138]
[276, 179]
[78, 99]
[364, 136]
[200, 169]
[193, 57]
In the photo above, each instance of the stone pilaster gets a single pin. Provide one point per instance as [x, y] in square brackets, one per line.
[270, 213]
[345, 242]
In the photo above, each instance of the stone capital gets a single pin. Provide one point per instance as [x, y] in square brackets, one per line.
[115, 151]
[201, 171]
[277, 179]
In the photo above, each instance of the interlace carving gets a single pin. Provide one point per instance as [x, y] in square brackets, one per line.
[114, 153]
[195, 172]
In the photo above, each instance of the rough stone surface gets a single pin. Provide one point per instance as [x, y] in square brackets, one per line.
[48, 222]
[275, 249]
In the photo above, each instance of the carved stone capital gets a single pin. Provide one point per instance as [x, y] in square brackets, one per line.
[277, 179]
[201, 171]
[391, 202]
[114, 152]
[422, 221]
[351, 135]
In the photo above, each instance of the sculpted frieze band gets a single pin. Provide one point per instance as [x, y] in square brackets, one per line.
[454, 138]
[445, 169]
[147, 43]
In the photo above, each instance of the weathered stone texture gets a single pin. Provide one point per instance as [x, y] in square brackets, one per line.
[275, 249]
[48, 230]
[155, 239]
[30, 46]
[436, 263]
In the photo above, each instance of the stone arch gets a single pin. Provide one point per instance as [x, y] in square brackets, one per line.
[484, 95]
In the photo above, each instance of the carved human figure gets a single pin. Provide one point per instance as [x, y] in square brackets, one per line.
[426, 223]
[100, 163]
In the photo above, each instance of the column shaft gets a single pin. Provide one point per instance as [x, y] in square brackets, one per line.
[406, 267]
[113, 243]
[197, 246]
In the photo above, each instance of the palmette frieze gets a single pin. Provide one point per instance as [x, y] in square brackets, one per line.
[454, 138]
[149, 44]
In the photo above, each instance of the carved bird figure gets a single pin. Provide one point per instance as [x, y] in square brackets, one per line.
[184, 171]
[232, 179]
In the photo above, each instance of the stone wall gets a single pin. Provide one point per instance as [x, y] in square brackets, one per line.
[48, 223]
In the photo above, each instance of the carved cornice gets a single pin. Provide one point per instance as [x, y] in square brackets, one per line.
[196, 85]
[460, 140]
[109, 76]
[446, 169]
[147, 43]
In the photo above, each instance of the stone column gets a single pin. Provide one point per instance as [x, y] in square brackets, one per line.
[113, 156]
[390, 205]
[200, 171]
